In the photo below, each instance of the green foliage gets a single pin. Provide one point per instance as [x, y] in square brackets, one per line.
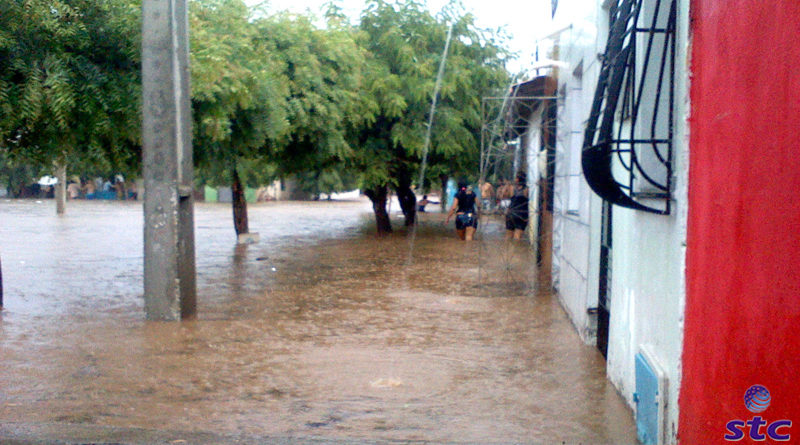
[238, 94]
[272, 95]
[277, 88]
[69, 82]
[277, 97]
[405, 43]
[324, 103]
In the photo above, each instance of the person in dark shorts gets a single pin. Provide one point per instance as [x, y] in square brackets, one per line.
[466, 212]
[517, 213]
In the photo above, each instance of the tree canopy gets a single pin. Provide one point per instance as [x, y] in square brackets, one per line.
[70, 82]
[238, 93]
[405, 44]
[325, 101]
[273, 94]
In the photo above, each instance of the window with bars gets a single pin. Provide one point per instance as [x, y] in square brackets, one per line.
[628, 141]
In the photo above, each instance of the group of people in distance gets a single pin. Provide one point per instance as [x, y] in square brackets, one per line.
[513, 198]
[113, 185]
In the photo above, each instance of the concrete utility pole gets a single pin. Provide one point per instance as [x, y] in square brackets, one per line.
[169, 264]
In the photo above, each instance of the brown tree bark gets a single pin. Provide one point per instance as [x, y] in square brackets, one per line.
[240, 222]
[378, 196]
[60, 194]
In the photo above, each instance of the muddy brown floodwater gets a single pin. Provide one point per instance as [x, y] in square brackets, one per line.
[320, 333]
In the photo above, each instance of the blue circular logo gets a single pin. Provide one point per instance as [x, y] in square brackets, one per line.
[757, 398]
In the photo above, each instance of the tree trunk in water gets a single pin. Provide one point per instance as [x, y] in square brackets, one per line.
[444, 179]
[239, 205]
[408, 203]
[378, 196]
[61, 188]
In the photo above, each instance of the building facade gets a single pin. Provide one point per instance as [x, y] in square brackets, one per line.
[674, 180]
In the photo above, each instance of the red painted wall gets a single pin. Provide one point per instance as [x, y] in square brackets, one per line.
[743, 250]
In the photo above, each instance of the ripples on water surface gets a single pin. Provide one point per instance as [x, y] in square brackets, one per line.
[320, 330]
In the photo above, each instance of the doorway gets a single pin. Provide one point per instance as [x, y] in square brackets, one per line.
[604, 288]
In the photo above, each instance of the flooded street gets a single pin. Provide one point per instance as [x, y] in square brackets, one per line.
[320, 333]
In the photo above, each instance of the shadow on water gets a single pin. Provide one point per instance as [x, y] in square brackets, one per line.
[322, 329]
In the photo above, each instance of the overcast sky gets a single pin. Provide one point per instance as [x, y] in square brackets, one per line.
[524, 20]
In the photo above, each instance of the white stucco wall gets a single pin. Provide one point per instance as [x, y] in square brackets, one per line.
[648, 266]
[575, 218]
[647, 295]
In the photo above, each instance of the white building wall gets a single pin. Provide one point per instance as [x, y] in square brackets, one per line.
[648, 266]
[647, 295]
[576, 218]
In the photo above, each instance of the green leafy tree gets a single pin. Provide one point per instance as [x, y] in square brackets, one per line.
[277, 96]
[70, 82]
[238, 97]
[326, 105]
[405, 44]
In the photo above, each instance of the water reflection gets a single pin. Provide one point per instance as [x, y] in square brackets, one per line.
[319, 330]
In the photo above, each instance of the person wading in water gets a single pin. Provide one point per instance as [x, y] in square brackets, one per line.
[517, 213]
[466, 210]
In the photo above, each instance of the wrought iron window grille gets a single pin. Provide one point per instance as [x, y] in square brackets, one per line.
[628, 141]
